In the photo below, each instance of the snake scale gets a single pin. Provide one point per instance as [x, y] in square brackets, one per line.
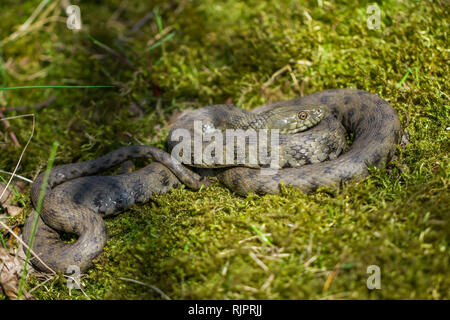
[312, 137]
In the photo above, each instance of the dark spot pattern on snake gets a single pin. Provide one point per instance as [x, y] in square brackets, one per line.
[75, 195]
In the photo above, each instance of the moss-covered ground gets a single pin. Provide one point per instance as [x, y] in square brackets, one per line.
[214, 244]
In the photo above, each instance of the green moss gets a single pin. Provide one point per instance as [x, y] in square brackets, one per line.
[206, 244]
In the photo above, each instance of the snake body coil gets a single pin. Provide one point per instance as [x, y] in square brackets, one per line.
[376, 128]
[75, 201]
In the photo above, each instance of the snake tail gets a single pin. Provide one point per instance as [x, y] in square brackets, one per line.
[75, 202]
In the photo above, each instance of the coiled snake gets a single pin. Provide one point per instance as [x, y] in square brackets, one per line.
[312, 135]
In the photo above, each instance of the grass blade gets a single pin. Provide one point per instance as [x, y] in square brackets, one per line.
[263, 237]
[160, 42]
[66, 87]
[404, 78]
[36, 217]
[111, 51]
[3, 241]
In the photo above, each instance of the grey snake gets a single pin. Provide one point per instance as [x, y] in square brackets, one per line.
[311, 156]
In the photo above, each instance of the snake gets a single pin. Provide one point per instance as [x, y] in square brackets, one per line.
[313, 152]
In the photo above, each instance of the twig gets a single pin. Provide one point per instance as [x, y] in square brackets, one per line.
[41, 284]
[24, 149]
[165, 296]
[17, 176]
[111, 51]
[138, 25]
[141, 22]
[275, 75]
[65, 276]
[33, 16]
[27, 27]
[26, 246]
[36, 107]
[7, 126]
[258, 262]
[123, 5]
[79, 285]
[268, 282]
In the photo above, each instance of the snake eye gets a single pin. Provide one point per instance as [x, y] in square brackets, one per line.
[302, 115]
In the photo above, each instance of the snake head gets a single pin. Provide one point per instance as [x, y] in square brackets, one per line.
[293, 118]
